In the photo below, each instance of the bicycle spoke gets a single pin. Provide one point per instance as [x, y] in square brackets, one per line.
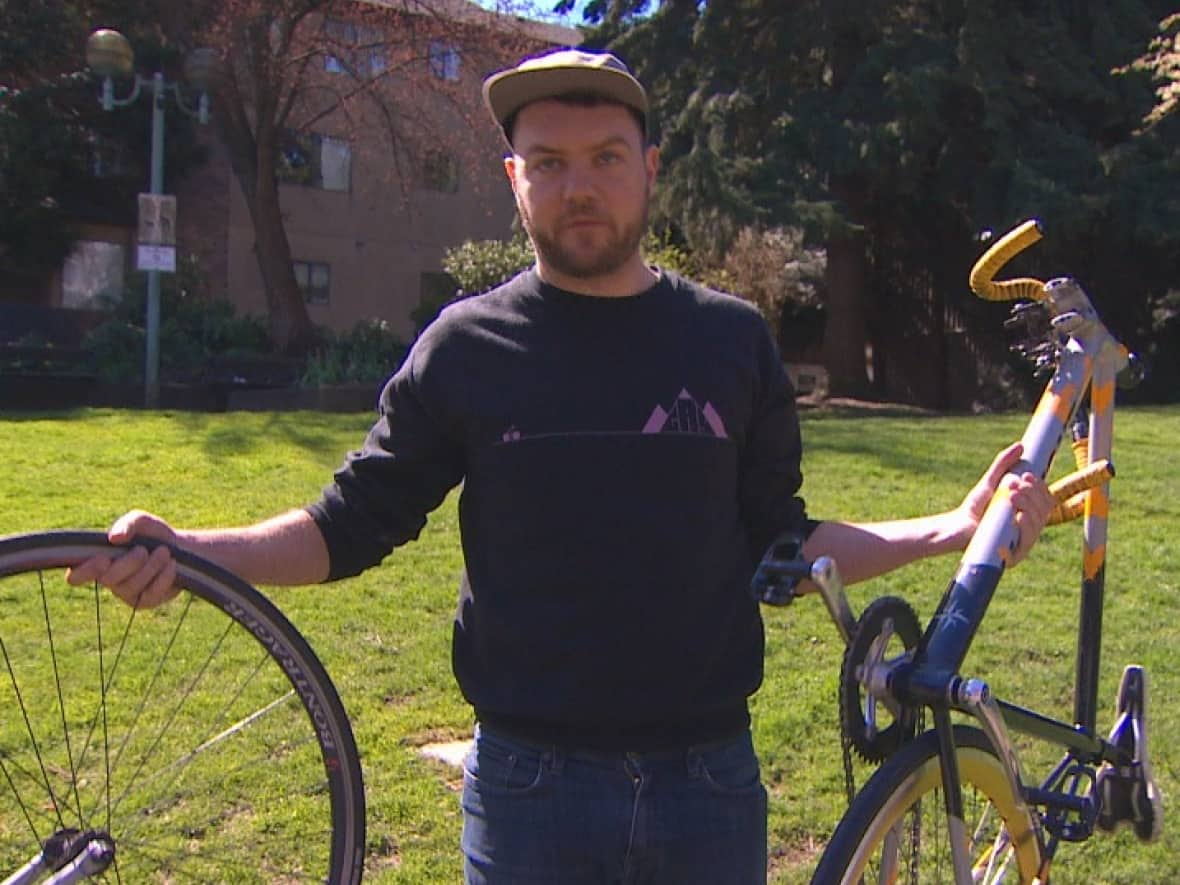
[897, 829]
[994, 862]
[106, 737]
[147, 694]
[200, 737]
[177, 767]
[890, 857]
[171, 720]
[61, 701]
[33, 743]
[16, 795]
[104, 684]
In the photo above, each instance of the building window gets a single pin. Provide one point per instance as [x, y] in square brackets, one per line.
[353, 48]
[444, 60]
[315, 160]
[314, 279]
[92, 269]
[440, 172]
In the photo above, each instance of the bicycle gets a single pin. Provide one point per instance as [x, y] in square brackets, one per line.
[199, 741]
[951, 803]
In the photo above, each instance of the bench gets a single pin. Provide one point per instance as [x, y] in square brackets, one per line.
[809, 379]
[22, 360]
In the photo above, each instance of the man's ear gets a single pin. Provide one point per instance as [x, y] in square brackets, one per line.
[510, 169]
[651, 160]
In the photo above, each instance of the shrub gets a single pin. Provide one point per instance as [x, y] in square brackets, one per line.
[1162, 383]
[367, 354]
[118, 349]
[193, 330]
[480, 265]
[774, 270]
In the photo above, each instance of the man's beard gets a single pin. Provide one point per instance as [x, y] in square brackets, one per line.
[621, 245]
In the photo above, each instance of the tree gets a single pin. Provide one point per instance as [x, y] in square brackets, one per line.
[38, 156]
[62, 158]
[893, 133]
[1160, 327]
[343, 68]
[1162, 61]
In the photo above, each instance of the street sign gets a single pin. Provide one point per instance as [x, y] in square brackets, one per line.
[157, 220]
[148, 257]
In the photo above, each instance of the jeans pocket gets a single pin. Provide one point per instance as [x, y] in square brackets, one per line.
[731, 768]
[504, 765]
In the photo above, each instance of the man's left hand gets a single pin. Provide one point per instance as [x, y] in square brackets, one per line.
[1028, 493]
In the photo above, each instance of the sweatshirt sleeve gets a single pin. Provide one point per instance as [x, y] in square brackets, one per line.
[382, 494]
[771, 473]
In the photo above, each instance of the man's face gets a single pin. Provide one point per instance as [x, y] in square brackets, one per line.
[582, 180]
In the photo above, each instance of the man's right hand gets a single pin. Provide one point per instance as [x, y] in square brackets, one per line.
[139, 578]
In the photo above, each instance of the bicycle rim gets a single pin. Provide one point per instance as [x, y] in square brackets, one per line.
[202, 738]
[896, 829]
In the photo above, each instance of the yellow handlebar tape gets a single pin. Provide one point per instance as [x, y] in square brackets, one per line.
[983, 274]
[1069, 510]
[1070, 491]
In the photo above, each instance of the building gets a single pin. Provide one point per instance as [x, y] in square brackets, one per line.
[391, 160]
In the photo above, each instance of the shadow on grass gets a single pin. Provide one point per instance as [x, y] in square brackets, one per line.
[226, 434]
[247, 432]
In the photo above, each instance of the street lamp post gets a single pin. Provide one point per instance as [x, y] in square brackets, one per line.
[108, 53]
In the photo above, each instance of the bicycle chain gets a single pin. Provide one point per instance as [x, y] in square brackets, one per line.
[849, 780]
[916, 820]
[850, 791]
[846, 752]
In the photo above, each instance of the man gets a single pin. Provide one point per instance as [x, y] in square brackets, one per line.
[628, 446]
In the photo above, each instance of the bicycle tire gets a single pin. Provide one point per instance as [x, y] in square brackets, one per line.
[203, 738]
[875, 840]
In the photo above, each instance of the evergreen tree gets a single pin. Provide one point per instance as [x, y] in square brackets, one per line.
[896, 131]
[1162, 61]
[62, 158]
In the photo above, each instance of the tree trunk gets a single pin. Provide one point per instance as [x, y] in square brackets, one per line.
[252, 141]
[845, 332]
[846, 275]
[290, 326]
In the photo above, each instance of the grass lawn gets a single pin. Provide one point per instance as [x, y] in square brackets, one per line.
[384, 636]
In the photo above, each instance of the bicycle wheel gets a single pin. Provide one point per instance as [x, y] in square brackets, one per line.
[896, 828]
[201, 741]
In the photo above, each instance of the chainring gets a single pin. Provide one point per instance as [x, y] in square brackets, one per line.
[886, 632]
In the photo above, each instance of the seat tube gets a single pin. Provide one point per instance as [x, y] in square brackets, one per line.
[952, 792]
[1094, 533]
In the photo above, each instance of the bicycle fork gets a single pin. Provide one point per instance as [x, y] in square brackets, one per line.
[70, 856]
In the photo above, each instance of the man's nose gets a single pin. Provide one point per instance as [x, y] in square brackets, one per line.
[579, 182]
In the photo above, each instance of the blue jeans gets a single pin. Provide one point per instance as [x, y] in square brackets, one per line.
[536, 815]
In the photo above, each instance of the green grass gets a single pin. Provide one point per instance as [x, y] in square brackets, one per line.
[384, 636]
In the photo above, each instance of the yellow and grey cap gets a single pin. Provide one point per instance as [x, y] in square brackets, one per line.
[558, 73]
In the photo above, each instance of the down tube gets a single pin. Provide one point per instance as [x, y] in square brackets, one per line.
[1094, 547]
[962, 608]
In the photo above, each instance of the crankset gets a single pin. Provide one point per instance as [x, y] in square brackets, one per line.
[874, 724]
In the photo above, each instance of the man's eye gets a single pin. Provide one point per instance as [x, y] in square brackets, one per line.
[608, 158]
[548, 164]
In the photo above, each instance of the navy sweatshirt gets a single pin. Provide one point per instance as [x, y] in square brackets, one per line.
[624, 461]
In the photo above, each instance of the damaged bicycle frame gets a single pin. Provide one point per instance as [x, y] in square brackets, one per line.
[1085, 358]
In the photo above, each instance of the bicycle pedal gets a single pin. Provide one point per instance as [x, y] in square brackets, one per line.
[1128, 794]
[1073, 821]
